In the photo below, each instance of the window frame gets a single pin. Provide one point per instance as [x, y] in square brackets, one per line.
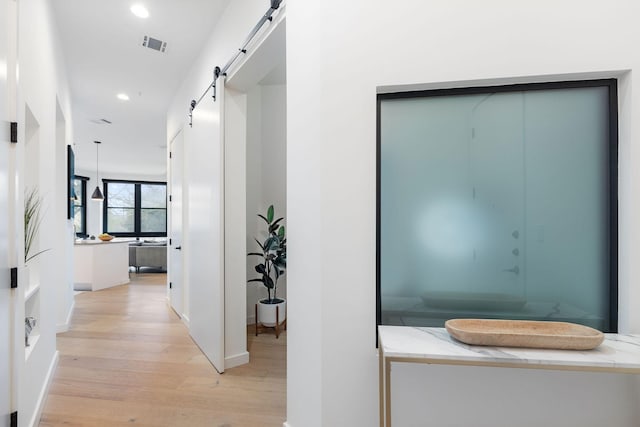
[611, 84]
[83, 208]
[137, 209]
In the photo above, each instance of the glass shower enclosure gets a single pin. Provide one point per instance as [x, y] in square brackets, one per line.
[498, 202]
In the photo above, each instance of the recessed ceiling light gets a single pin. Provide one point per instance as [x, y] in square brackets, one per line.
[139, 10]
[123, 97]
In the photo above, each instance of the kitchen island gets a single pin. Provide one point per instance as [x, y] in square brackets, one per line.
[99, 265]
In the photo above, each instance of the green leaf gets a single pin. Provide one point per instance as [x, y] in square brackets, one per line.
[259, 244]
[36, 254]
[260, 268]
[272, 243]
[256, 253]
[280, 263]
[265, 219]
[254, 280]
[281, 234]
[270, 214]
[273, 227]
[32, 222]
[268, 281]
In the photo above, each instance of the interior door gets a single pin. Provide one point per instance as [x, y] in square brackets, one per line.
[176, 259]
[205, 206]
[497, 151]
[6, 297]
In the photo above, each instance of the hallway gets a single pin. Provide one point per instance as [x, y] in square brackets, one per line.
[129, 360]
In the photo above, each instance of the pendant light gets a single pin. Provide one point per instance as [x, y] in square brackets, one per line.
[97, 194]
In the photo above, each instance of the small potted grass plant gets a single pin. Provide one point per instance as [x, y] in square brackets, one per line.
[32, 222]
[272, 265]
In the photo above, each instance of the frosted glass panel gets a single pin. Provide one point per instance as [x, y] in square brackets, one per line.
[495, 205]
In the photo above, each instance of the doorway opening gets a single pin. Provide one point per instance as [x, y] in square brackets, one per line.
[255, 118]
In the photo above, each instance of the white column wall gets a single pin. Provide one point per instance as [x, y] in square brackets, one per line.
[338, 54]
[64, 233]
[308, 219]
[42, 85]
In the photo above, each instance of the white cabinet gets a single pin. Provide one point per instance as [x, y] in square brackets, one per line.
[99, 265]
[428, 378]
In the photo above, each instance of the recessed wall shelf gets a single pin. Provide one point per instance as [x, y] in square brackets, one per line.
[31, 309]
[33, 341]
[31, 291]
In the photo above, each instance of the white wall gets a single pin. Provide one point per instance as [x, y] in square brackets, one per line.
[42, 86]
[65, 231]
[338, 54]
[266, 176]
[254, 193]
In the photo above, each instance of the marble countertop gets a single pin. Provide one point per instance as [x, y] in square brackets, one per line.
[618, 352]
[83, 242]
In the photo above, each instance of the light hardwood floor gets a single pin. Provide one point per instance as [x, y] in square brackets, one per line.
[129, 361]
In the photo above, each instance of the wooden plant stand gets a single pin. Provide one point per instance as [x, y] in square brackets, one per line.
[259, 327]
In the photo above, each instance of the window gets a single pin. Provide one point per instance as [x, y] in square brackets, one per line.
[80, 205]
[135, 208]
[498, 202]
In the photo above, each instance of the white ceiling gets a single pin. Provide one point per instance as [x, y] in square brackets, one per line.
[104, 56]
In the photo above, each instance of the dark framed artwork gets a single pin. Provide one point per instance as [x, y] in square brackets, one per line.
[70, 177]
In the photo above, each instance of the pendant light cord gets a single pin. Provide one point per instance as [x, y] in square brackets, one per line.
[97, 194]
[97, 165]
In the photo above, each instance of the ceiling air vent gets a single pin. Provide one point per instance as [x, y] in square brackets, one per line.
[154, 44]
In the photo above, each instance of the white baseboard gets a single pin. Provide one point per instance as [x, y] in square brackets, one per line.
[35, 419]
[182, 316]
[236, 360]
[82, 286]
[64, 327]
[185, 320]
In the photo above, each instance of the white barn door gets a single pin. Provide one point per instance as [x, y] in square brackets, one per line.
[203, 145]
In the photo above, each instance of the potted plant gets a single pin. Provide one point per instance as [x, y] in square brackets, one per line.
[272, 265]
[32, 221]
